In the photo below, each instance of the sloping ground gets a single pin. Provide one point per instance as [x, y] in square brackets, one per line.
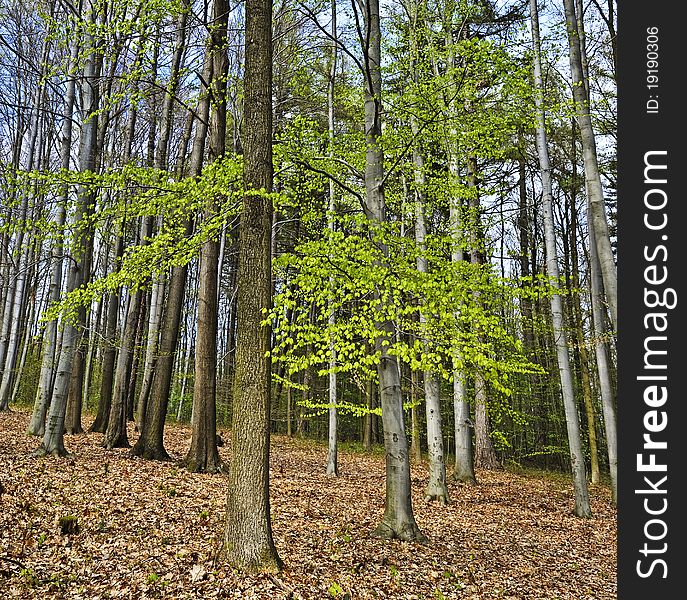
[152, 530]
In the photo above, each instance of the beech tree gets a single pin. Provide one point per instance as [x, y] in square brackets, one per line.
[343, 227]
[582, 506]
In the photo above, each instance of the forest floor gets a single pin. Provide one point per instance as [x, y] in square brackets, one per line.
[152, 530]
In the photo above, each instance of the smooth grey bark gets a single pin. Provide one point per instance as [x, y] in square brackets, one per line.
[603, 363]
[436, 486]
[14, 304]
[150, 443]
[415, 449]
[109, 352]
[463, 467]
[76, 384]
[185, 375]
[95, 327]
[13, 338]
[28, 332]
[53, 438]
[580, 354]
[463, 470]
[152, 339]
[398, 520]
[581, 493]
[596, 202]
[332, 445]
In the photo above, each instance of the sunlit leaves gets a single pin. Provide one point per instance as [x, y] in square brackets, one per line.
[345, 273]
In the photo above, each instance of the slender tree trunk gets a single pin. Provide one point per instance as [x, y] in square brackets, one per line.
[136, 360]
[150, 443]
[398, 520]
[463, 469]
[203, 455]
[603, 363]
[53, 438]
[582, 506]
[116, 435]
[27, 334]
[109, 355]
[485, 455]
[415, 448]
[14, 305]
[185, 375]
[597, 206]
[368, 431]
[97, 327]
[576, 316]
[436, 486]
[289, 411]
[161, 154]
[332, 454]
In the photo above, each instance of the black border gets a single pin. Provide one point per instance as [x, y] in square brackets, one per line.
[640, 132]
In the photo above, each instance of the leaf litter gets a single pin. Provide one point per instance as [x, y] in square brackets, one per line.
[149, 529]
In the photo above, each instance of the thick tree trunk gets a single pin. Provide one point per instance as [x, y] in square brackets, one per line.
[582, 506]
[248, 541]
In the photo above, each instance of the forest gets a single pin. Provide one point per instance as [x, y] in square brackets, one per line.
[308, 299]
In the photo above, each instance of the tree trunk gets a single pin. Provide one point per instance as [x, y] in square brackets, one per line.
[576, 317]
[14, 305]
[398, 520]
[150, 443]
[603, 363]
[203, 456]
[161, 154]
[109, 354]
[436, 486]
[463, 469]
[415, 448]
[332, 449]
[53, 438]
[582, 507]
[116, 435]
[248, 541]
[485, 455]
[596, 203]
